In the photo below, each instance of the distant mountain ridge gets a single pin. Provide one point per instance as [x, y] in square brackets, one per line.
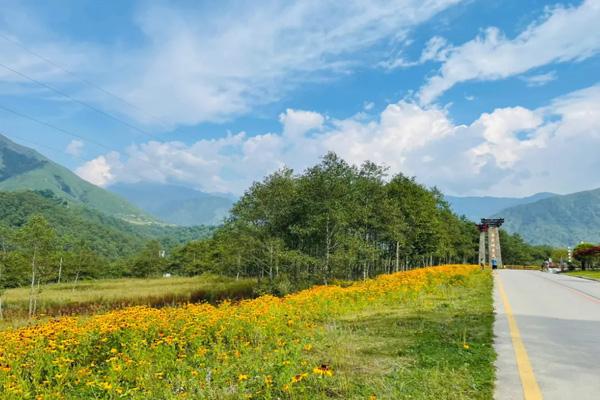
[561, 220]
[475, 208]
[176, 205]
[22, 168]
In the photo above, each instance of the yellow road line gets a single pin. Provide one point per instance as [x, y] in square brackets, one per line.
[531, 389]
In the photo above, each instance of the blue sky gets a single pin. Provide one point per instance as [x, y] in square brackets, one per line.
[475, 97]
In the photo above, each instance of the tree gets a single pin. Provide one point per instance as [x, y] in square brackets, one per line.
[36, 239]
[148, 262]
[5, 234]
[586, 254]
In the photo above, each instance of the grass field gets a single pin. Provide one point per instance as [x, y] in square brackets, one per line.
[437, 347]
[585, 274]
[423, 334]
[89, 297]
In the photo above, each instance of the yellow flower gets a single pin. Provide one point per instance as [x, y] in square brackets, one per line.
[299, 377]
[242, 377]
[323, 370]
[268, 380]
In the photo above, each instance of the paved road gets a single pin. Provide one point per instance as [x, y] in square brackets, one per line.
[547, 336]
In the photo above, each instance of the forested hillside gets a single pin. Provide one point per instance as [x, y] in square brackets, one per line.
[22, 168]
[64, 238]
[477, 207]
[107, 236]
[558, 221]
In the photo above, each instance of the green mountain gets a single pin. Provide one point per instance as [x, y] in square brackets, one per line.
[557, 221]
[109, 236]
[475, 207]
[176, 204]
[22, 168]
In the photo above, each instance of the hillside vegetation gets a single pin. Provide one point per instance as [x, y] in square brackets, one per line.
[477, 207]
[22, 168]
[557, 221]
[107, 236]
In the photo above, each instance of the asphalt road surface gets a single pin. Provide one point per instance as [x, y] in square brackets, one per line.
[547, 336]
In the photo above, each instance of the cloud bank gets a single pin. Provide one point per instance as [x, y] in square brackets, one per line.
[509, 151]
[562, 34]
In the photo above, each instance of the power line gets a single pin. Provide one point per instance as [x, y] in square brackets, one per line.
[85, 81]
[67, 132]
[83, 103]
[11, 136]
[49, 125]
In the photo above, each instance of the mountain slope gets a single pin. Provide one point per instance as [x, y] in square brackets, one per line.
[108, 236]
[22, 168]
[475, 208]
[176, 204]
[558, 221]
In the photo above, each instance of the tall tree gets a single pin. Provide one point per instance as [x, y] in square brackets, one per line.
[37, 240]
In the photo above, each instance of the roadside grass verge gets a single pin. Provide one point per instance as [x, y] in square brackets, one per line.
[439, 346]
[585, 274]
[90, 297]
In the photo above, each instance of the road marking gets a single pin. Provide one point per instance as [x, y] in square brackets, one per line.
[531, 389]
[576, 291]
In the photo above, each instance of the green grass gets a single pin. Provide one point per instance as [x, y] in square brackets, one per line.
[585, 274]
[416, 350]
[88, 297]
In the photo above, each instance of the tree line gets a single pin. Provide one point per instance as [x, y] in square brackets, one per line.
[334, 221]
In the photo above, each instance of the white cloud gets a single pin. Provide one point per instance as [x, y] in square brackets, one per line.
[564, 34]
[74, 148]
[229, 63]
[436, 49]
[297, 123]
[101, 170]
[539, 79]
[509, 151]
[368, 105]
[192, 64]
[23, 35]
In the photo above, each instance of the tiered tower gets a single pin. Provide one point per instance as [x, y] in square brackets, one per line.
[490, 227]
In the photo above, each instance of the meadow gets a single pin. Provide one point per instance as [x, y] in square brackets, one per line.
[94, 296]
[422, 334]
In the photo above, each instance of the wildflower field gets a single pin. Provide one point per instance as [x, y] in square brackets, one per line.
[431, 339]
[102, 295]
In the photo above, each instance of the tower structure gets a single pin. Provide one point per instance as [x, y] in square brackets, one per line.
[491, 227]
[482, 233]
